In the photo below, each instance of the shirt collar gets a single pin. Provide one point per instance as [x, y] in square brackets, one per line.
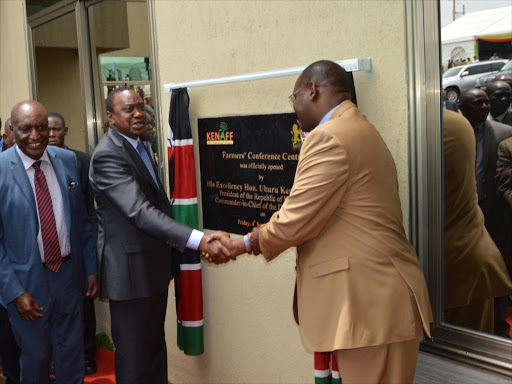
[479, 127]
[27, 161]
[328, 115]
[133, 142]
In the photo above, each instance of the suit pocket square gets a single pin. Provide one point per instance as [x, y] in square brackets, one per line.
[327, 267]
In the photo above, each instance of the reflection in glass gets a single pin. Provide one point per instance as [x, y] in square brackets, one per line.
[58, 75]
[120, 47]
[474, 269]
[34, 6]
[478, 225]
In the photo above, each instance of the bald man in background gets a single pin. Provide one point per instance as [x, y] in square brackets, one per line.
[8, 135]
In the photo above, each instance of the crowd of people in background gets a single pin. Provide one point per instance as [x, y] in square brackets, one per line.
[478, 160]
[464, 61]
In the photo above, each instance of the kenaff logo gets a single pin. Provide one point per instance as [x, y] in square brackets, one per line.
[220, 137]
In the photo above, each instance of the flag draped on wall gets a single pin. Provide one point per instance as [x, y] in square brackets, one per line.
[182, 179]
[326, 370]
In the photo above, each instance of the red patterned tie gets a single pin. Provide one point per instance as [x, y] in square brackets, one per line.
[51, 247]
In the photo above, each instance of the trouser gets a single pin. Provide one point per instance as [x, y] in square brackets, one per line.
[139, 338]
[61, 326]
[89, 330]
[501, 327]
[478, 315]
[9, 351]
[393, 363]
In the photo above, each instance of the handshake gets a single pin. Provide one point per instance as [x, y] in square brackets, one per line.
[219, 248]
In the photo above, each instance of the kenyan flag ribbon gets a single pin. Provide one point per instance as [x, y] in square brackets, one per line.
[182, 180]
[326, 369]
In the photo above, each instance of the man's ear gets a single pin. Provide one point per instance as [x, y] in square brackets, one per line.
[313, 90]
[65, 131]
[110, 118]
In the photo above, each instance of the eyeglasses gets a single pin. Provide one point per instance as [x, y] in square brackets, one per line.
[293, 96]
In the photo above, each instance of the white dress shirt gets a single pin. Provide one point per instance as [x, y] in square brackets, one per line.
[196, 236]
[57, 202]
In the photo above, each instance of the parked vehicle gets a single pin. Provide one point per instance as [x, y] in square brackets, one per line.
[483, 82]
[458, 79]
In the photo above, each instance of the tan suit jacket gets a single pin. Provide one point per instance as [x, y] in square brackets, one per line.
[355, 265]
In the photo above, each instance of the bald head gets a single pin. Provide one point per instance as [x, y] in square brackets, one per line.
[24, 108]
[474, 105]
[500, 97]
[8, 134]
[327, 74]
[322, 86]
[30, 126]
[503, 77]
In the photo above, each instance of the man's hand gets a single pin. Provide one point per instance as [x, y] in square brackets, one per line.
[27, 306]
[235, 247]
[92, 286]
[214, 250]
[254, 240]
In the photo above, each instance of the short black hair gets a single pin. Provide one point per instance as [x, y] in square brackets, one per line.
[326, 73]
[110, 97]
[58, 116]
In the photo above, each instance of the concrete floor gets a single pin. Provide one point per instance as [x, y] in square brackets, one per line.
[432, 369]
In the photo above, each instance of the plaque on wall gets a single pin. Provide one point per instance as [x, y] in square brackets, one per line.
[247, 168]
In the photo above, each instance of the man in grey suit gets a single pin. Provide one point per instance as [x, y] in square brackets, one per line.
[136, 234]
[500, 97]
[474, 105]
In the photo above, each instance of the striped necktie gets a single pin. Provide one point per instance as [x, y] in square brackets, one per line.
[51, 247]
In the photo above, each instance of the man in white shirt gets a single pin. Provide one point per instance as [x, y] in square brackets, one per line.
[47, 250]
[136, 238]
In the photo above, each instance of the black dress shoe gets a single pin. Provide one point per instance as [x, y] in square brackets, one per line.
[90, 367]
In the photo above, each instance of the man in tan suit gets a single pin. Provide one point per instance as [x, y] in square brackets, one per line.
[360, 289]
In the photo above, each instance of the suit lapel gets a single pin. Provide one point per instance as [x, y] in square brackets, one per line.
[133, 156]
[58, 167]
[488, 140]
[21, 178]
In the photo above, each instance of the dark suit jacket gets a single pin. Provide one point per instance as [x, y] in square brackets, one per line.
[83, 160]
[491, 203]
[507, 119]
[136, 232]
[451, 105]
[20, 260]
[504, 182]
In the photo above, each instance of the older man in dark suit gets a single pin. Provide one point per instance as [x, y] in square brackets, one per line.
[474, 105]
[135, 240]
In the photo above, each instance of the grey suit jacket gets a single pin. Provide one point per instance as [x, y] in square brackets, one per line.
[492, 205]
[136, 232]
